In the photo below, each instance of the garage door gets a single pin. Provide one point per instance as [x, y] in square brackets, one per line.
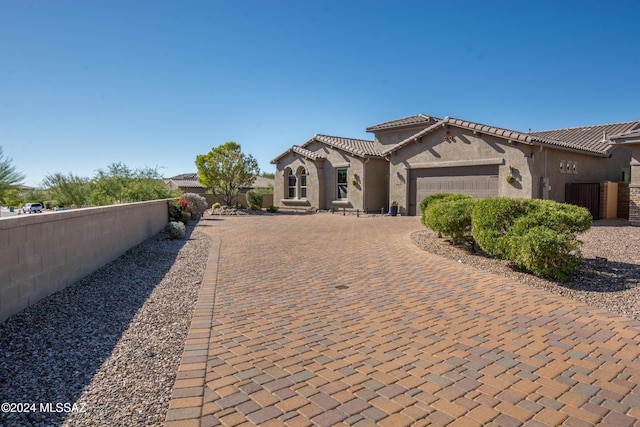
[477, 181]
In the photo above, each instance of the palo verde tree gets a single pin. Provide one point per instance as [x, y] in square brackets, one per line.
[225, 169]
[117, 184]
[120, 184]
[9, 177]
[69, 190]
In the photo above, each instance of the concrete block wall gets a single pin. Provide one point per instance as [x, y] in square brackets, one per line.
[43, 253]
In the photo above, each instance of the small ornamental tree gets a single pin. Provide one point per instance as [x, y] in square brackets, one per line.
[225, 169]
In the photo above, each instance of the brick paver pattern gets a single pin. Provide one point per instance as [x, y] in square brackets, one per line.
[414, 339]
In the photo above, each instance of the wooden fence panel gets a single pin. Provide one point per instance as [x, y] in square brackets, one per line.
[585, 195]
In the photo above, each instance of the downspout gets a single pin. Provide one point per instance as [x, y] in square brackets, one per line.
[364, 180]
[545, 179]
[388, 186]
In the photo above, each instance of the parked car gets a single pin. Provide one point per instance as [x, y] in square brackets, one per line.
[32, 208]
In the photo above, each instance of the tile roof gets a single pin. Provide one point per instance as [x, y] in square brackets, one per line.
[306, 153]
[311, 155]
[185, 183]
[590, 139]
[595, 139]
[418, 119]
[357, 147]
[188, 176]
[632, 137]
[191, 181]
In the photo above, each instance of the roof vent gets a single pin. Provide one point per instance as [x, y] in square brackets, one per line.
[604, 136]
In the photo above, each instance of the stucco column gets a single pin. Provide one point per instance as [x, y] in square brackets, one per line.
[632, 140]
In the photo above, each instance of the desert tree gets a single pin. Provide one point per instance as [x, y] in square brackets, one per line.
[225, 170]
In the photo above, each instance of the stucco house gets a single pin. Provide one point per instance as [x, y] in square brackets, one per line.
[413, 157]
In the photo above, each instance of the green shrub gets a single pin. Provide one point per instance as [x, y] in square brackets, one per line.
[175, 214]
[272, 209]
[492, 219]
[537, 235]
[560, 217]
[216, 205]
[438, 197]
[546, 252]
[197, 204]
[451, 217]
[254, 199]
[175, 230]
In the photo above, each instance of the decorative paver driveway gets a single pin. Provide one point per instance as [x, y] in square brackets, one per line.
[413, 339]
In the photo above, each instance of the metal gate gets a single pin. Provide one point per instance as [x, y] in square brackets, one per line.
[585, 195]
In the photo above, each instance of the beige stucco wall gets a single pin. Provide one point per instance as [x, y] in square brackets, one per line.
[376, 185]
[385, 139]
[464, 148]
[322, 179]
[43, 253]
[281, 187]
[590, 169]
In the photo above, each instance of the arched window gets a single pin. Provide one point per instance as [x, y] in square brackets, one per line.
[291, 194]
[303, 184]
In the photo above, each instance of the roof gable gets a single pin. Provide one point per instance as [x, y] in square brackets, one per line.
[417, 120]
[311, 155]
[594, 140]
[357, 147]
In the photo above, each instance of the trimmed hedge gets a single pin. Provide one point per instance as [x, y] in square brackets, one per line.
[439, 197]
[537, 235]
[451, 217]
[491, 221]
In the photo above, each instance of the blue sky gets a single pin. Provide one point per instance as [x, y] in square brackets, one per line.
[86, 83]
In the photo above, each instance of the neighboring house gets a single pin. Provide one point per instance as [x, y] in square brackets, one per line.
[416, 156]
[631, 139]
[188, 183]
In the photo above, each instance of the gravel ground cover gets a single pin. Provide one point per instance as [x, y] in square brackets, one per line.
[608, 277]
[110, 343]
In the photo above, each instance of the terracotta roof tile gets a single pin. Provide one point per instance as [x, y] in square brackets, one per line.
[299, 150]
[306, 153]
[595, 139]
[627, 137]
[191, 181]
[418, 119]
[185, 183]
[187, 176]
[358, 147]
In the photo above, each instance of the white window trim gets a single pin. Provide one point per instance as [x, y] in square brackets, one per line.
[289, 186]
[300, 186]
[346, 183]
